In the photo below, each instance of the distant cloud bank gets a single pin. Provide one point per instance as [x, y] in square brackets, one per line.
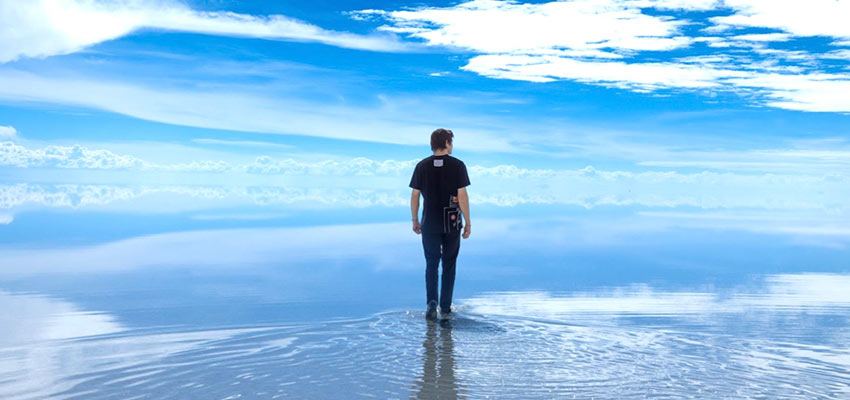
[364, 182]
[79, 157]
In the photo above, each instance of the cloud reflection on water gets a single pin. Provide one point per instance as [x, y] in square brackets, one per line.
[29, 318]
[814, 293]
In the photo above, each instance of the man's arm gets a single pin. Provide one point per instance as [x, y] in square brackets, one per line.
[414, 209]
[463, 199]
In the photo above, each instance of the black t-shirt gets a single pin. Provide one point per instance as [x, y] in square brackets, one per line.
[438, 178]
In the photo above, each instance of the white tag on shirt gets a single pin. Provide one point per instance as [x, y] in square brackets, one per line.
[438, 162]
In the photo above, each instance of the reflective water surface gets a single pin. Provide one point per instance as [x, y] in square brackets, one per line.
[218, 300]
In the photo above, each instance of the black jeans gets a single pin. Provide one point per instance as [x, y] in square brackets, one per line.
[440, 246]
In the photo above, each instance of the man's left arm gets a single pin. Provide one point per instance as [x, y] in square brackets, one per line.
[463, 200]
[414, 210]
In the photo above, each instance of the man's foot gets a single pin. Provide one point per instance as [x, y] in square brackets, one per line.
[445, 315]
[431, 312]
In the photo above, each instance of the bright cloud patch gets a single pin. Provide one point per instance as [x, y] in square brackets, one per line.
[750, 47]
[42, 28]
[7, 132]
[800, 18]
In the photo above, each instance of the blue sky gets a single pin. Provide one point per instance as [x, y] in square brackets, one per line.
[675, 103]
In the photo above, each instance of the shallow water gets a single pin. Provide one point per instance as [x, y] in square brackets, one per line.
[398, 354]
[552, 304]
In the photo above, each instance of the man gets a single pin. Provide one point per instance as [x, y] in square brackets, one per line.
[441, 180]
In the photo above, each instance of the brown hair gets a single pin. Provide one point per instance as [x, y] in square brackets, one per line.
[439, 138]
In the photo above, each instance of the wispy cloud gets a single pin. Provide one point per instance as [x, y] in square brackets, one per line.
[235, 108]
[42, 28]
[242, 143]
[602, 42]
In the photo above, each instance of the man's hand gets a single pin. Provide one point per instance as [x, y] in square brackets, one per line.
[466, 231]
[416, 227]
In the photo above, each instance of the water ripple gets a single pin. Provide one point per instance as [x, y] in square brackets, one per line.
[400, 355]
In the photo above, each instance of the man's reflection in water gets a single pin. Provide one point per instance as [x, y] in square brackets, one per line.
[438, 364]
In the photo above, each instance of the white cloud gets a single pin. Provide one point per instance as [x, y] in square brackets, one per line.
[501, 27]
[597, 41]
[8, 132]
[42, 28]
[808, 18]
[812, 92]
[686, 5]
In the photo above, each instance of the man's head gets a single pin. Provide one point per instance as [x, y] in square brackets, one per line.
[441, 139]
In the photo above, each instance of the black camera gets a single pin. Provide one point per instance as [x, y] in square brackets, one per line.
[452, 216]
